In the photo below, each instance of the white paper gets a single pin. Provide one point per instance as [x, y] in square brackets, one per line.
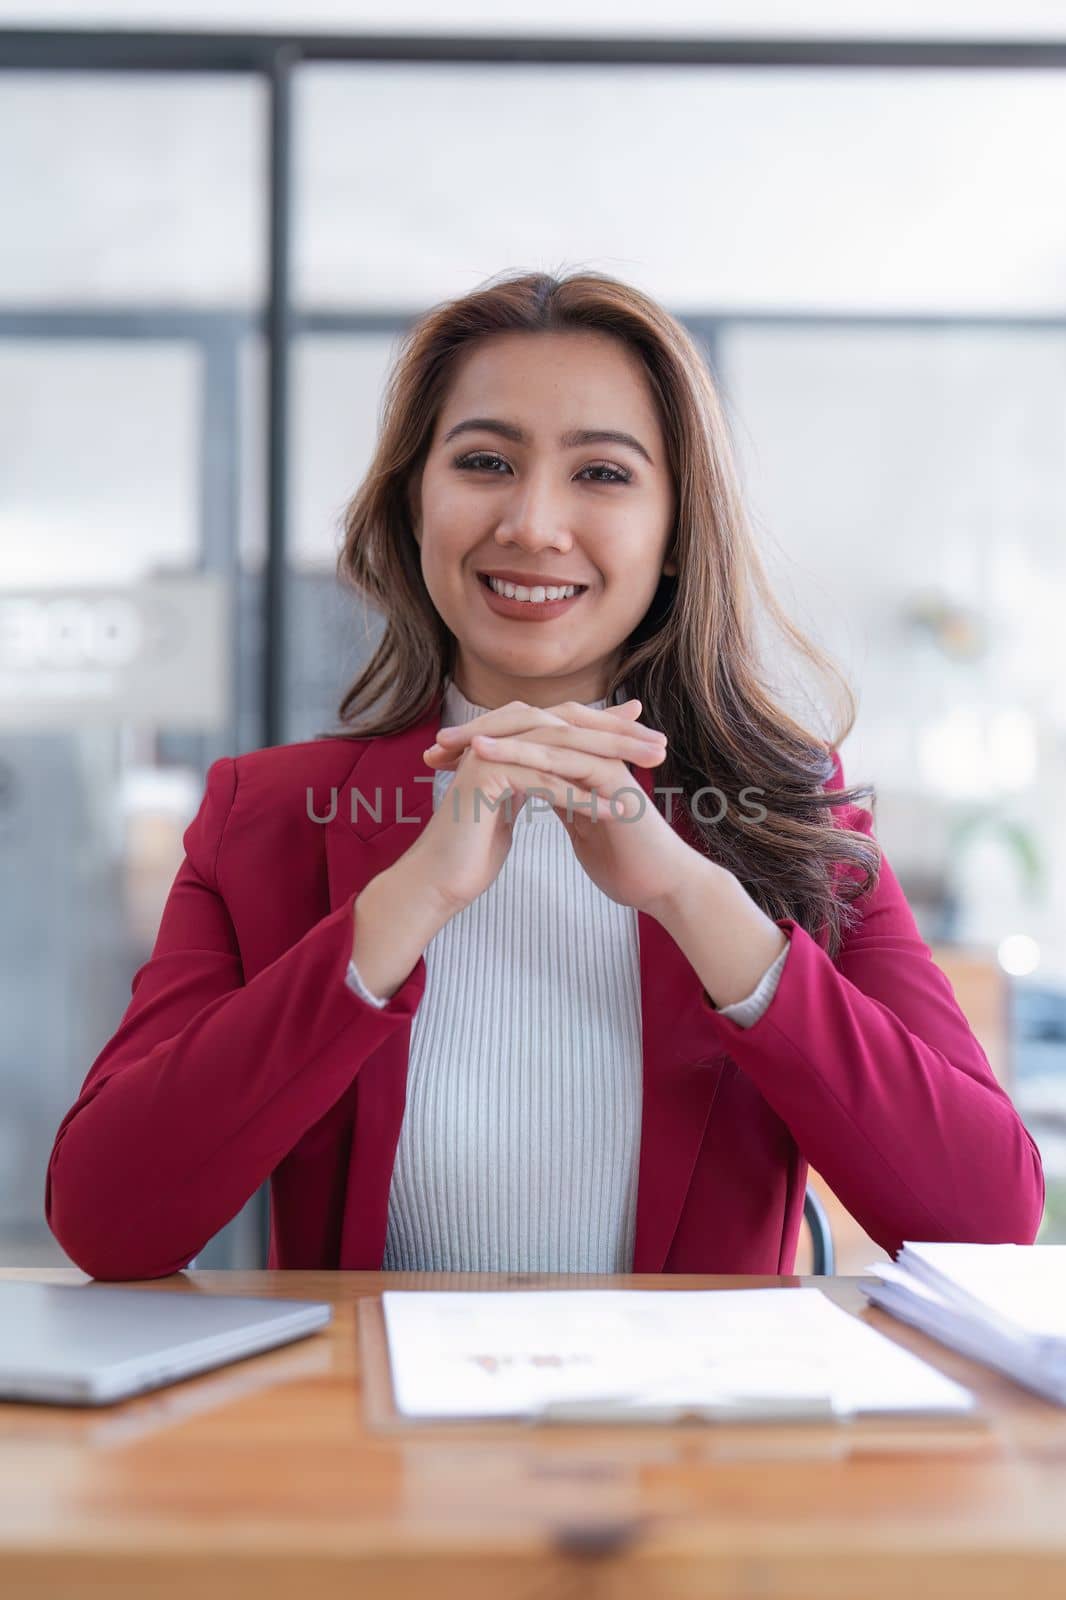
[1020, 1287]
[997, 1304]
[473, 1354]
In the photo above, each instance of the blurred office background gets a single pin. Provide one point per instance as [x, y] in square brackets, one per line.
[872, 255]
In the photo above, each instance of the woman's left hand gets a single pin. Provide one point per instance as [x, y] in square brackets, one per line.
[629, 850]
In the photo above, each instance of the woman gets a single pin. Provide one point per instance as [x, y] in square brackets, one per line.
[499, 1006]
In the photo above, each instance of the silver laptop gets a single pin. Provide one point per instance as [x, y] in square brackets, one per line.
[94, 1343]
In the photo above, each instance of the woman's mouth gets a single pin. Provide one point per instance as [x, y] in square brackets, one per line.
[533, 608]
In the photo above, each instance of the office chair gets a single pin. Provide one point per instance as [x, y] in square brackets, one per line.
[817, 1221]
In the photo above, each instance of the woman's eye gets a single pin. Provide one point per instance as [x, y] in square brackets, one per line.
[473, 462]
[476, 460]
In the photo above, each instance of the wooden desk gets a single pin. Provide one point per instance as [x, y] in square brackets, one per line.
[264, 1479]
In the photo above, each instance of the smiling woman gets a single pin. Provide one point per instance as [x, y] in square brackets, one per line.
[606, 1039]
[566, 431]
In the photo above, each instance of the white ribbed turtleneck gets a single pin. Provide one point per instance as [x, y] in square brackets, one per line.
[520, 1140]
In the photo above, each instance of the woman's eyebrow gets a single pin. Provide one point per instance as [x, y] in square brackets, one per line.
[576, 436]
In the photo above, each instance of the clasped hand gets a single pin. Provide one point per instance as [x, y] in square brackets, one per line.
[623, 842]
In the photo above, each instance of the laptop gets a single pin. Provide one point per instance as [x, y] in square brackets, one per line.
[92, 1344]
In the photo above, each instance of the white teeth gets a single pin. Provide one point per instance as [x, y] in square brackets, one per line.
[535, 596]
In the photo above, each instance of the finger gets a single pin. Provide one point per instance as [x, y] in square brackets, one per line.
[509, 720]
[441, 760]
[617, 745]
[592, 804]
[578, 766]
[559, 792]
[614, 743]
[634, 747]
[504, 720]
[580, 716]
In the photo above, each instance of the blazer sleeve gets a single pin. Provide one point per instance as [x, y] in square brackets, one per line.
[871, 1064]
[748, 1011]
[209, 1080]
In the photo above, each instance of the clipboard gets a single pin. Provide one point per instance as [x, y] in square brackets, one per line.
[652, 1408]
[817, 1431]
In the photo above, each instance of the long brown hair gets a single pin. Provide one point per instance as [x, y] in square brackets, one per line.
[692, 660]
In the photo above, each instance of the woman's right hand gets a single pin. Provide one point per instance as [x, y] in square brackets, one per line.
[462, 848]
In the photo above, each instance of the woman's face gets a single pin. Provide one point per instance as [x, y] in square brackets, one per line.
[504, 491]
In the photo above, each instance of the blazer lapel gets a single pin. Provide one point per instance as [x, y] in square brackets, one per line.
[380, 809]
[681, 1067]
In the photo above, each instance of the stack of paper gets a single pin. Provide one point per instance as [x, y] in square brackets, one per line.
[622, 1354]
[1003, 1304]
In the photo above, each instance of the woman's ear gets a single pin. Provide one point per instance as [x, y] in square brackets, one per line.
[669, 569]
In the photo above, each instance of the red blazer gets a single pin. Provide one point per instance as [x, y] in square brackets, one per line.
[244, 1055]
